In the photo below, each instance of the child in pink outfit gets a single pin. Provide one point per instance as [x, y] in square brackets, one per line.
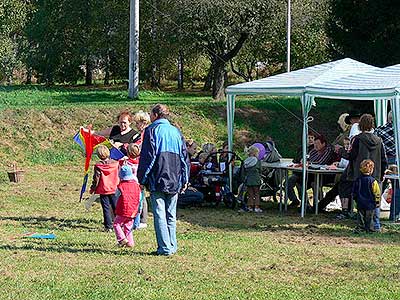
[128, 195]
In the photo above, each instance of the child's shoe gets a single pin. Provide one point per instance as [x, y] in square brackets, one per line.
[123, 243]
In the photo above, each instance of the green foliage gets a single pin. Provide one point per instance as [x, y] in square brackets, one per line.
[12, 21]
[365, 30]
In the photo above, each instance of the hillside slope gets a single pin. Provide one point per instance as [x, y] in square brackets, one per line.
[37, 124]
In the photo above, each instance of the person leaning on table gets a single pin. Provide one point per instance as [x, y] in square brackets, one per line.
[163, 168]
[322, 154]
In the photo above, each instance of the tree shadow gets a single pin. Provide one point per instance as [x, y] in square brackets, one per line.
[272, 221]
[70, 248]
[52, 222]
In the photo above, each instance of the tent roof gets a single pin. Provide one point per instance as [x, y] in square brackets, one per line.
[377, 83]
[296, 82]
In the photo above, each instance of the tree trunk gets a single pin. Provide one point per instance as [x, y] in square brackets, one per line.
[28, 76]
[180, 70]
[107, 71]
[218, 81]
[89, 71]
[209, 79]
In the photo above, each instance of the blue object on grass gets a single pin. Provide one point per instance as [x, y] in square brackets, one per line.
[50, 236]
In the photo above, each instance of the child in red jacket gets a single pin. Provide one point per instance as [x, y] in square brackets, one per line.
[128, 194]
[105, 181]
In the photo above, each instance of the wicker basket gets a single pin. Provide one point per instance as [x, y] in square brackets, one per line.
[16, 175]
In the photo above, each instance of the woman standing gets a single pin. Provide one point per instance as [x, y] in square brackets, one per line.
[142, 120]
[122, 135]
[367, 145]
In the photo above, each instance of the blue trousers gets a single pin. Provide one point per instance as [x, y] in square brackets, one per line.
[108, 203]
[164, 212]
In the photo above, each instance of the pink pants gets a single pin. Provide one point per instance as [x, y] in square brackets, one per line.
[123, 229]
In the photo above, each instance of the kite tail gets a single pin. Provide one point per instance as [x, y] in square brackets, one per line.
[85, 180]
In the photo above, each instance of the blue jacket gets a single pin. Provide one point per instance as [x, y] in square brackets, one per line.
[366, 192]
[163, 159]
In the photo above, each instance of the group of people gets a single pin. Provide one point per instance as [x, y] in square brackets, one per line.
[155, 158]
[364, 152]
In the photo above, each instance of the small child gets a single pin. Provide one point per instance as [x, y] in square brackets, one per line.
[128, 194]
[252, 179]
[367, 194]
[105, 181]
[133, 151]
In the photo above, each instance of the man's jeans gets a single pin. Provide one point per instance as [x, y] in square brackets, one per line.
[164, 212]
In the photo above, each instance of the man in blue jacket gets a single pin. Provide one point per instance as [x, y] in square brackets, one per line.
[163, 168]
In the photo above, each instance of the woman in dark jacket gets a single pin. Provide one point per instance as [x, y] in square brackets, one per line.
[366, 145]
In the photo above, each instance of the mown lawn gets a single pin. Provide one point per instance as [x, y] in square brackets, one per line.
[222, 254]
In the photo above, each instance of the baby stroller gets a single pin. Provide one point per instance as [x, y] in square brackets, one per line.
[213, 181]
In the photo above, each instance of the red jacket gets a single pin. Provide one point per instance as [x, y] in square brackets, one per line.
[128, 201]
[105, 178]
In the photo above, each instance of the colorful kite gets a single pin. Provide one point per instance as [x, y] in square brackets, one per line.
[89, 141]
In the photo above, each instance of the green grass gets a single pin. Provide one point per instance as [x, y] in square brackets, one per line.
[222, 254]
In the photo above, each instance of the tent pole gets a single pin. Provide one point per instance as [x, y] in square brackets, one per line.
[230, 111]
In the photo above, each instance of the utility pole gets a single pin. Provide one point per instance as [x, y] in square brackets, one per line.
[288, 35]
[133, 86]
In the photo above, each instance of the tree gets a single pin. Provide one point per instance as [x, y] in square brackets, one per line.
[12, 21]
[367, 31]
[222, 27]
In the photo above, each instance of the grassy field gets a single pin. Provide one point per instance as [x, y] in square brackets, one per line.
[222, 254]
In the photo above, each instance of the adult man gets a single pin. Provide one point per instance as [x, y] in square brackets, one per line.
[322, 154]
[164, 170]
[386, 133]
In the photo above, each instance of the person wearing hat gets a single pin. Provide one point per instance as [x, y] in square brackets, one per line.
[344, 130]
[128, 195]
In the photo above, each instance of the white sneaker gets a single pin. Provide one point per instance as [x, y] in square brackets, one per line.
[258, 210]
[142, 226]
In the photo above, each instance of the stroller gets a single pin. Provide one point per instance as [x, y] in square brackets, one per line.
[213, 181]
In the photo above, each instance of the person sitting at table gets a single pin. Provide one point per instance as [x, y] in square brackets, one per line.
[321, 154]
[310, 146]
[341, 187]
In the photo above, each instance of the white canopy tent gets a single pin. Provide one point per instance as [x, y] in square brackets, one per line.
[342, 79]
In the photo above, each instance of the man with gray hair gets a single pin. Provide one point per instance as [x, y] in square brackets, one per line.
[386, 133]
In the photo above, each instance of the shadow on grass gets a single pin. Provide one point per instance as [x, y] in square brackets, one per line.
[69, 248]
[52, 222]
[323, 225]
